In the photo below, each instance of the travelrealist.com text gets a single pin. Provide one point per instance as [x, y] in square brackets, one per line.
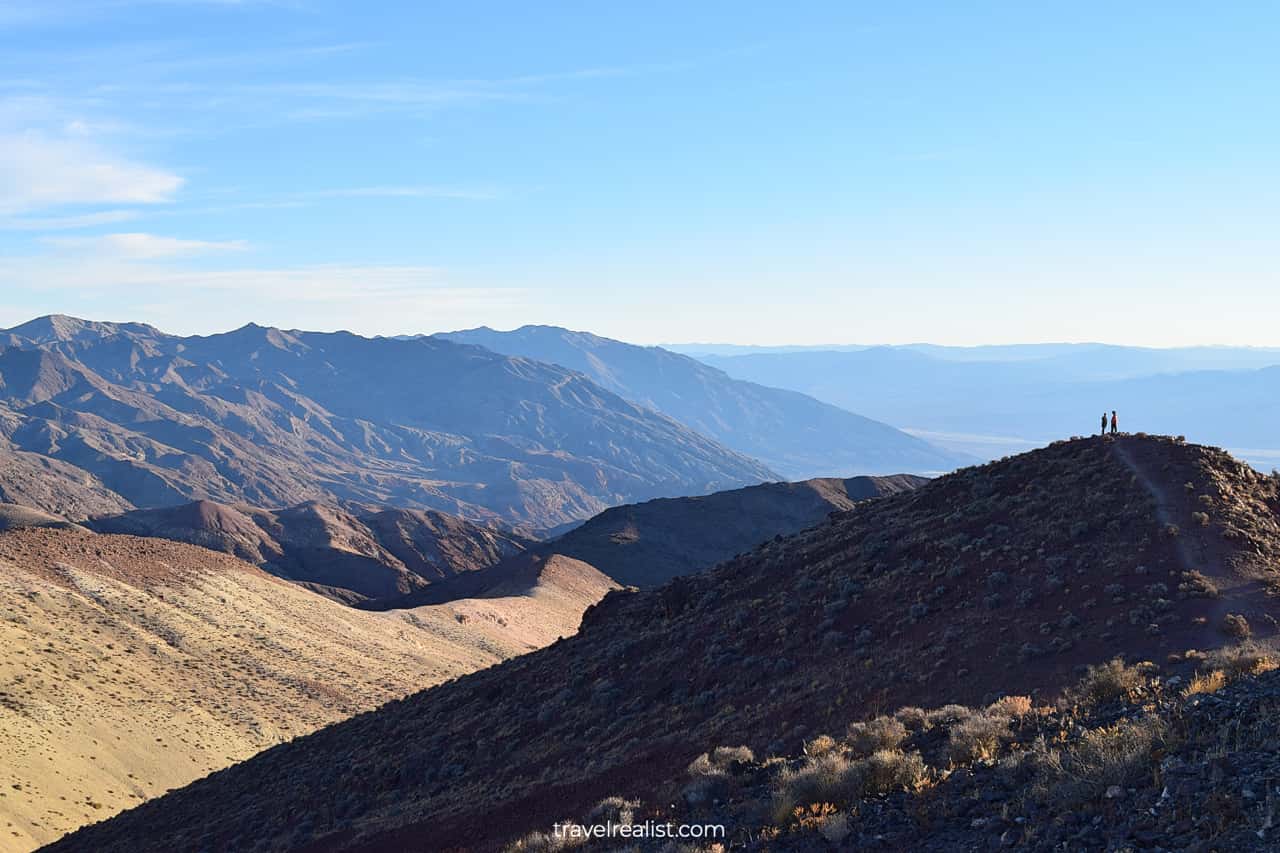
[645, 829]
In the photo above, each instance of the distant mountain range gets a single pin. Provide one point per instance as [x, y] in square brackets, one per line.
[991, 401]
[101, 417]
[792, 433]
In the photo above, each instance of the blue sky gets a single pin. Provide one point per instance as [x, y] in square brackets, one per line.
[751, 173]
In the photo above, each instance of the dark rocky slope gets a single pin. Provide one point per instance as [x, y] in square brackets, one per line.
[650, 543]
[1002, 579]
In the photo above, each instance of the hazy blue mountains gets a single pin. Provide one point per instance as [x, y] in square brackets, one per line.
[792, 433]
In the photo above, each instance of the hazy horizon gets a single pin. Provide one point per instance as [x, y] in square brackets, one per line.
[717, 347]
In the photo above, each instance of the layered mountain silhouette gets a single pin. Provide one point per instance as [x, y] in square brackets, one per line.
[650, 543]
[274, 418]
[1001, 579]
[991, 401]
[792, 433]
[134, 665]
[343, 555]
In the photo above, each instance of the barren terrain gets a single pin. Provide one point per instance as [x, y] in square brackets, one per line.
[132, 666]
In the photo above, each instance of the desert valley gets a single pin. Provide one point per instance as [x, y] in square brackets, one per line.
[655, 427]
[232, 587]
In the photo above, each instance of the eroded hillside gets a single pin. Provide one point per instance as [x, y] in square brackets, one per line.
[276, 418]
[341, 554]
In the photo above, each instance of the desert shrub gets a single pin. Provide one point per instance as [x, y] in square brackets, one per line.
[880, 733]
[820, 745]
[977, 738]
[835, 778]
[711, 772]
[915, 719]
[720, 759]
[1010, 707]
[826, 778]
[1242, 659]
[949, 715]
[1235, 625]
[1105, 682]
[1195, 585]
[890, 770]
[616, 810]
[1120, 754]
[1200, 518]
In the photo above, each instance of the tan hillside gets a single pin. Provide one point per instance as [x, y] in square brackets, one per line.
[13, 516]
[1007, 578]
[130, 666]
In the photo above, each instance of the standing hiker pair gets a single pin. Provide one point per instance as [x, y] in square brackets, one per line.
[1114, 422]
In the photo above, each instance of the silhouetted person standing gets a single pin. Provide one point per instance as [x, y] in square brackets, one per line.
[1113, 421]
[1104, 424]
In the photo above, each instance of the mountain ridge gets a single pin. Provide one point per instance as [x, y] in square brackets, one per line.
[272, 417]
[791, 432]
[1052, 560]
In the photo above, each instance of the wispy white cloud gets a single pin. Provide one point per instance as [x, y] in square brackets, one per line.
[39, 170]
[67, 223]
[141, 246]
[182, 296]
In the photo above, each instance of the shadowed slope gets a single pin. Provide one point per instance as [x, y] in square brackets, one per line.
[345, 556]
[999, 579]
[650, 543]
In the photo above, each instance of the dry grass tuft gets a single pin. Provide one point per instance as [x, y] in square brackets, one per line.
[1210, 682]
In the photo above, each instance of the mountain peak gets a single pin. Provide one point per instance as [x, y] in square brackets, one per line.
[63, 328]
